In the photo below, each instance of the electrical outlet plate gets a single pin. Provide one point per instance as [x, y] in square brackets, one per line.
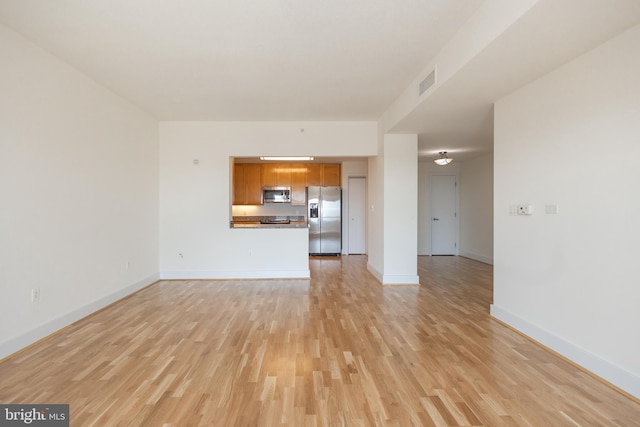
[525, 209]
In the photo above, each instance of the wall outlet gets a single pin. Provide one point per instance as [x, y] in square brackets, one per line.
[525, 209]
[35, 294]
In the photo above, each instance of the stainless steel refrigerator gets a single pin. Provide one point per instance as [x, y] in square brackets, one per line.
[324, 213]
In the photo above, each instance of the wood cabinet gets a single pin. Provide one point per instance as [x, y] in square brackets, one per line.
[298, 184]
[249, 178]
[314, 175]
[276, 175]
[323, 174]
[239, 187]
[269, 176]
[247, 184]
[253, 181]
[331, 175]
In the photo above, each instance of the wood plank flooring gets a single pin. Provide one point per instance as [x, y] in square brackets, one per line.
[338, 350]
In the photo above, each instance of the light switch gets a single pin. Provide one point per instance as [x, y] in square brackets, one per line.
[551, 209]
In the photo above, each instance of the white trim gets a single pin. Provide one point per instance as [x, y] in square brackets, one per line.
[617, 376]
[375, 272]
[19, 342]
[230, 275]
[400, 280]
[387, 279]
[481, 258]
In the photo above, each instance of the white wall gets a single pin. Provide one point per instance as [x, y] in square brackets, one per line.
[195, 238]
[476, 208]
[570, 280]
[375, 211]
[393, 199]
[79, 186]
[400, 209]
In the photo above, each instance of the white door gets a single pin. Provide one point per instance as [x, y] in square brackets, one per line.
[356, 215]
[443, 215]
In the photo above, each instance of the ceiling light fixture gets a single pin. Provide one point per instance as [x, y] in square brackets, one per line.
[443, 159]
[288, 158]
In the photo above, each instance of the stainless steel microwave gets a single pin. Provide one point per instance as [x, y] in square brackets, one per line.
[276, 194]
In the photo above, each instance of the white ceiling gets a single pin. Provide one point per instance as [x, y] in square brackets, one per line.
[311, 60]
[245, 59]
[458, 117]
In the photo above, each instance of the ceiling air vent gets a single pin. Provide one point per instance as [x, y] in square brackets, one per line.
[428, 81]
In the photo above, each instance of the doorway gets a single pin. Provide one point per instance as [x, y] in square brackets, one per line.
[444, 217]
[357, 242]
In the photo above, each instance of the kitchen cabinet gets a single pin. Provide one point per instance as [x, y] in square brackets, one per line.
[269, 175]
[239, 187]
[327, 175]
[249, 178]
[253, 180]
[247, 184]
[331, 175]
[298, 184]
[314, 175]
[276, 175]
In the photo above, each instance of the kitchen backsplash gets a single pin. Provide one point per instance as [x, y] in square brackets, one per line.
[272, 209]
[247, 218]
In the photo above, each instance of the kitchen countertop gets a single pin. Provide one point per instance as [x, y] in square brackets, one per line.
[264, 222]
[247, 224]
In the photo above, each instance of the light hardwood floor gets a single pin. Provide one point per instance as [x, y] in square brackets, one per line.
[336, 350]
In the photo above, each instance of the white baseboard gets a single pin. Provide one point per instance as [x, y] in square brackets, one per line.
[617, 376]
[230, 275]
[391, 280]
[481, 258]
[375, 272]
[17, 343]
[388, 279]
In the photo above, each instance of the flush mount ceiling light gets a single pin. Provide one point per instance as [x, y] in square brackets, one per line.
[288, 158]
[443, 159]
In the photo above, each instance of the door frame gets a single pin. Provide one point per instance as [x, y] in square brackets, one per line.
[457, 201]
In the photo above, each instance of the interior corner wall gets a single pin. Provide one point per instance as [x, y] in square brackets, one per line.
[79, 186]
[476, 208]
[400, 209]
[375, 211]
[569, 140]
